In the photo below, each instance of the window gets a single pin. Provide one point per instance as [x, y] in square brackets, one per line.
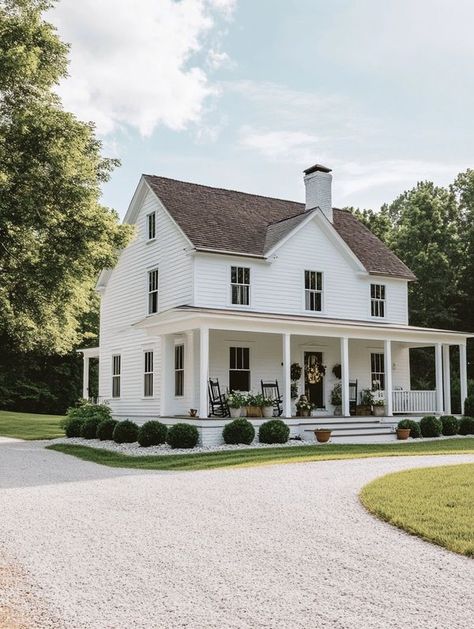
[179, 370]
[240, 285]
[377, 300]
[151, 225]
[239, 372]
[148, 375]
[116, 369]
[153, 291]
[313, 290]
[377, 368]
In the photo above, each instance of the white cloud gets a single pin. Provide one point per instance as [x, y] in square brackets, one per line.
[291, 145]
[133, 64]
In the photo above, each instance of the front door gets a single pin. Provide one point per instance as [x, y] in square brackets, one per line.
[313, 389]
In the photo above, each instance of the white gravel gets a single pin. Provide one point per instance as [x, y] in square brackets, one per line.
[285, 546]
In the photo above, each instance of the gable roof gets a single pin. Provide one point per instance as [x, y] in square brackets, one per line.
[238, 222]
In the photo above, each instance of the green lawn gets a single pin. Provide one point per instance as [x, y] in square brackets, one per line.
[265, 456]
[30, 425]
[435, 503]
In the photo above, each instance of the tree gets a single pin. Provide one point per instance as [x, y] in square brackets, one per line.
[55, 236]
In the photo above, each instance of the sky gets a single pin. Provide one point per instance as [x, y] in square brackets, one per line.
[245, 94]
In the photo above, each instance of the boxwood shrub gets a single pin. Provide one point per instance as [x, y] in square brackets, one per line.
[273, 431]
[466, 426]
[450, 425]
[89, 428]
[239, 431]
[105, 429]
[415, 430]
[88, 411]
[182, 436]
[469, 406]
[431, 426]
[125, 432]
[73, 427]
[152, 433]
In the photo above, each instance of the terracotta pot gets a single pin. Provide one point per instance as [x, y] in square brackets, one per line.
[254, 411]
[403, 433]
[322, 435]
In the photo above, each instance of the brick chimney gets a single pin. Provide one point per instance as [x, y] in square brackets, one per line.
[317, 181]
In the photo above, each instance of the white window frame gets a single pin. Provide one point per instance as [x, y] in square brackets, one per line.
[116, 375]
[152, 291]
[240, 348]
[379, 302]
[307, 292]
[377, 360]
[179, 369]
[240, 285]
[151, 226]
[148, 373]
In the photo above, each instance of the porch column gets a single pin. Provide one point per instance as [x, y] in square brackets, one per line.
[286, 375]
[190, 379]
[439, 378]
[203, 371]
[388, 378]
[345, 376]
[85, 377]
[446, 380]
[165, 376]
[463, 375]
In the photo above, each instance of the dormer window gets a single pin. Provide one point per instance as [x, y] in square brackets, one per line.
[377, 300]
[151, 225]
[313, 291]
[240, 285]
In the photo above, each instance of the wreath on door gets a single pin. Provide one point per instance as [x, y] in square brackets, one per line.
[315, 373]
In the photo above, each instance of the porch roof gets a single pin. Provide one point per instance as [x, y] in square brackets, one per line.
[185, 318]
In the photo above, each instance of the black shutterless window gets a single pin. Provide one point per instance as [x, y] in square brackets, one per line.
[116, 374]
[179, 370]
[148, 375]
[239, 369]
[153, 291]
[240, 285]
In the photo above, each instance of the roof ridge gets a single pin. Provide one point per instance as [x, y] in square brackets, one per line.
[288, 218]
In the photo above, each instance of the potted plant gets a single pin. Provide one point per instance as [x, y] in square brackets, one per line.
[268, 406]
[337, 371]
[366, 401]
[193, 412]
[254, 405]
[378, 407]
[402, 433]
[336, 398]
[322, 434]
[303, 406]
[235, 402]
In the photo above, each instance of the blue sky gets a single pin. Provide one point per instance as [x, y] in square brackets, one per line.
[244, 94]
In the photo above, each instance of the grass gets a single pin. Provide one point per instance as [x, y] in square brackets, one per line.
[435, 503]
[30, 425]
[266, 456]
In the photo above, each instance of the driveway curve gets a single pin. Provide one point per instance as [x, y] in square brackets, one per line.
[285, 546]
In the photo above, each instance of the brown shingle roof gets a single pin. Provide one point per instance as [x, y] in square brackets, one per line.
[226, 220]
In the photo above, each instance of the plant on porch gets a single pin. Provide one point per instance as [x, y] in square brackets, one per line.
[336, 398]
[304, 406]
[236, 402]
[378, 406]
[295, 375]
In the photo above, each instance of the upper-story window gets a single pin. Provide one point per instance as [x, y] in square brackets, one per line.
[151, 225]
[240, 285]
[116, 374]
[313, 290]
[153, 291]
[377, 300]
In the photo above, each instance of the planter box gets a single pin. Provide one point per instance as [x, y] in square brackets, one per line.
[379, 411]
[254, 411]
[363, 411]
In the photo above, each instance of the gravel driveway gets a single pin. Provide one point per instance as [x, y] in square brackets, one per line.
[283, 546]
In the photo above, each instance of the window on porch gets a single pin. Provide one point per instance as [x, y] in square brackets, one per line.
[179, 370]
[239, 371]
[377, 300]
[148, 375]
[116, 372]
[313, 285]
[377, 375]
[240, 285]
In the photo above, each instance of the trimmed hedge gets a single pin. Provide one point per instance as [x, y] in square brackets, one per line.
[105, 429]
[78, 415]
[125, 432]
[73, 427]
[152, 433]
[466, 426]
[415, 430]
[431, 426]
[89, 427]
[469, 406]
[273, 431]
[182, 436]
[450, 425]
[239, 431]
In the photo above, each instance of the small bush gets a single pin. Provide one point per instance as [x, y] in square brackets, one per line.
[125, 432]
[105, 429]
[273, 431]
[450, 425]
[89, 428]
[89, 411]
[239, 431]
[466, 426]
[431, 426]
[469, 406]
[415, 430]
[152, 433]
[73, 427]
[182, 436]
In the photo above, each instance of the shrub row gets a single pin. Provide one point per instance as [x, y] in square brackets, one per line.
[431, 426]
[242, 431]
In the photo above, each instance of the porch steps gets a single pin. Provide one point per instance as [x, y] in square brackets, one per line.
[357, 431]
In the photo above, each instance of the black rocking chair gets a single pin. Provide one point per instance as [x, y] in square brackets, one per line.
[353, 384]
[217, 400]
[272, 390]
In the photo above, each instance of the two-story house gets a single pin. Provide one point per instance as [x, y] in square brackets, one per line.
[235, 286]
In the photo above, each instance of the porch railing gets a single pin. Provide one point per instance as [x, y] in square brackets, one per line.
[414, 401]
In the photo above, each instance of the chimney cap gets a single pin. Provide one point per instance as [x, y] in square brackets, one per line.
[317, 168]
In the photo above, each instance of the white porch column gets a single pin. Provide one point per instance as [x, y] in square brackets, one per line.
[463, 375]
[439, 378]
[286, 375]
[446, 380]
[388, 378]
[165, 380]
[190, 378]
[345, 376]
[85, 377]
[203, 371]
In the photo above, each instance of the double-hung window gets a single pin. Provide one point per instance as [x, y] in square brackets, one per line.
[239, 369]
[377, 369]
[148, 374]
[151, 225]
[179, 370]
[240, 285]
[116, 373]
[377, 300]
[153, 291]
[313, 290]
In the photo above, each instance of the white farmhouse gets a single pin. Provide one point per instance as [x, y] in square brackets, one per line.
[236, 287]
